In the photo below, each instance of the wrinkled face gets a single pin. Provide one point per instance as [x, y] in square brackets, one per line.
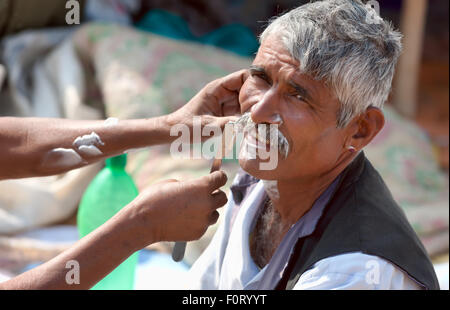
[305, 110]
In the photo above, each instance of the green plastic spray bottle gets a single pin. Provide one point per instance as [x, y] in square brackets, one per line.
[111, 190]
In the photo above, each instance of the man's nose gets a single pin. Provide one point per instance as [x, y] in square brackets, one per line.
[266, 109]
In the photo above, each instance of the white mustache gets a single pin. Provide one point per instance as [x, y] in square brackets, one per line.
[246, 124]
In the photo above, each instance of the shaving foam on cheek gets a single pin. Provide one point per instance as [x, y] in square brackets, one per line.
[61, 157]
[277, 119]
[271, 187]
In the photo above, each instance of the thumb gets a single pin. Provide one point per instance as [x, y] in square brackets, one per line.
[216, 180]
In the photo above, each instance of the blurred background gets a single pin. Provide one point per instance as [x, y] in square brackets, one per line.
[143, 58]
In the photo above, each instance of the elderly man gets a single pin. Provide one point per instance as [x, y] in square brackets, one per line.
[323, 218]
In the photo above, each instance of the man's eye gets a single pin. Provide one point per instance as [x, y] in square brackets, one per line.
[299, 97]
[302, 99]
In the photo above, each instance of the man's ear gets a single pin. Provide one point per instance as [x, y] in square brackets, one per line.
[366, 127]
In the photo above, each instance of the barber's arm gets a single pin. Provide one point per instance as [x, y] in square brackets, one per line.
[40, 147]
[164, 212]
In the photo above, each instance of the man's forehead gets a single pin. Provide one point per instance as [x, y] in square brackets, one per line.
[274, 59]
[273, 52]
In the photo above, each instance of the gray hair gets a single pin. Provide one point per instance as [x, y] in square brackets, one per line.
[336, 41]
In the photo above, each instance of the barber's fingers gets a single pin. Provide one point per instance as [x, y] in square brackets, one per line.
[227, 89]
[213, 217]
[219, 199]
[232, 106]
[215, 180]
[234, 81]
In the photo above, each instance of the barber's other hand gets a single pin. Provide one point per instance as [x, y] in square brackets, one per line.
[217, 103]
[177, 211]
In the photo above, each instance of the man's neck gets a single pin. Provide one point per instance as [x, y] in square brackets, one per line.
[292, 198]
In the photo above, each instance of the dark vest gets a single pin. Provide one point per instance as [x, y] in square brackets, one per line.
[362, 216]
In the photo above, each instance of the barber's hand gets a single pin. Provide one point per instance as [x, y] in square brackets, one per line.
[177, 211]
[217, 103]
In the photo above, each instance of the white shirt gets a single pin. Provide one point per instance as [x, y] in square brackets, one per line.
[227, 264]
